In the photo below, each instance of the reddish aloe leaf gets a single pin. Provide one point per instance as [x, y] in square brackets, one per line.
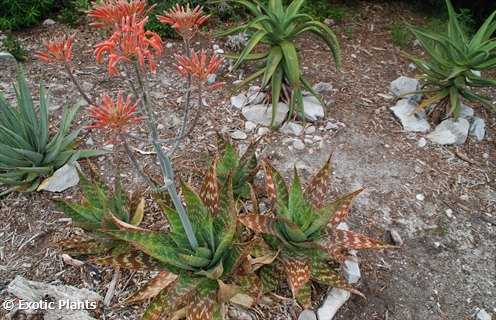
[202, 307]
[269, 183]
[209, 192]
[304, 296]
[343, 207]
[153, 288]
[259, 223]
[353, 241]
[317, 187]
[78, 246]
[324, 274]
[131, 260]
[251, 285]
[298, 272]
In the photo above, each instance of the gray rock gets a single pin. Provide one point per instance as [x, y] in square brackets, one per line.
[450, 132]
[33, 291]
[250, 126]
[310, 130]
[478, 128]
[313, 109]
[261, 131]
[211, 78]
[334, 300]
[90, 141]
[169, 45]
[48, 22]
[292, 128]
[262, 114]
[482, 315]
[238, 135]
[351, 271]
[307, 315]
[255, 95]
[237, 42]
[395, 236]
[322, 87]
[331, 126]
[402, 86]
[298, 144]
[404, 111]
[5, 56]
[239, 101]
[466, 111]
[62, 179]
[420, 197]
[422, 142]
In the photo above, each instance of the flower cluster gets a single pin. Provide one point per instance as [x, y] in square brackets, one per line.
[184, 20]
[110, 12]
[130, 42]
[198, 66]
[57, 50]
[114, 117]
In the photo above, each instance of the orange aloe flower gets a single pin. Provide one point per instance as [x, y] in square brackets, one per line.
[130, 42]
[57, 50]
[184, 20]
[199, 66]
[110, 12]
[115, 117]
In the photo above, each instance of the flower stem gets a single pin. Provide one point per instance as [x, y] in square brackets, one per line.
[68, 69]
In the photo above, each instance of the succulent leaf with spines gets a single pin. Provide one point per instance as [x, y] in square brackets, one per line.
[304, 229]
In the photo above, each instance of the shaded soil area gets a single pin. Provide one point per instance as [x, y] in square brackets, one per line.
[444, 270]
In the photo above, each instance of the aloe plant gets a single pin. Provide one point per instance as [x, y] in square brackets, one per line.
[277, 27]
[27, 150]
[193, 281]
[452, 68]
[303, 229]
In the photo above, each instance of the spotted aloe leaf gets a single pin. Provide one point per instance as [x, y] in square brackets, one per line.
[259, 223]
[77, 246]
[343, 206]
[209, 192]
[304, 295]
[179, 294]
[354, 241]
[317, 187]
[277, 190]
[269, 279]
[161, 281]
[298, 271]
[134, 260]
[203, 305]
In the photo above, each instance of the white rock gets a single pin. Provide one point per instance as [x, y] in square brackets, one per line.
[322, 87]
[262, 114]
[32, 291]
[5, 56]
[476, 72]
[334, 300]
[90, 141]
[48, 22]
[250, 126]
[310, 130]
[404, 85]
[239, 101]
[420, 197]
[422, 142]
[238, 135]
[307, 315]
[351, 271]
[292, 128]
[298, 144]
[312, 108]
[482, 315]
[412, 66]
[396, 237]
[169, 45]
[466, 111]
[255, 95]
[331, 126]
[211, 78]
[62, 179]
[404, 111]
[478, 128]
[261, 131]
[450, 132]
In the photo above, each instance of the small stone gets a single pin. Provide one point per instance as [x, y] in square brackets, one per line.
[322, 87]
[412, 66]
[331, 126]
[239, 135]
[466, 112]
[312, 108]
[334, 300]
[478, 128]
[5, 56]
[482, 315]
[310, 130]
[62, 179]
[262, 114]
[329, 21]
[250, 126]
[239, 101]
[169, 45]
[261, 131]
[418, 169]
[395, 236]
[307, 315]
[404, 86]
[108, 147]
[90, 142]
[292, 128]
[449, 213]
[255, 95]
[48, 22]
[211, 78]
[160, 126]
[420, 197]
[351, 271]
[485, 155]
[422, 142]
[414, 122]
[298, 144]
[450, 132]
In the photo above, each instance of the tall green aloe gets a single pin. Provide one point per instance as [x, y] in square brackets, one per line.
[277, 27]
[193, 281]
[304, 231]
[451, 70]
[27, 150]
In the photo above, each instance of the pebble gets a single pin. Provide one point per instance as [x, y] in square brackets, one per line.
[418, 169]
[420, 197]
[334, 300]
[298, 144]
[239, 135]
[263, 130]
[422, 142]
[250, 126]
[482, 315]
[48, 22]
[90, 141]
[351, 271]
[307, 315]
[449, 213]
[395, 236]
[331, 126]
[169, 45]
[310, 130]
